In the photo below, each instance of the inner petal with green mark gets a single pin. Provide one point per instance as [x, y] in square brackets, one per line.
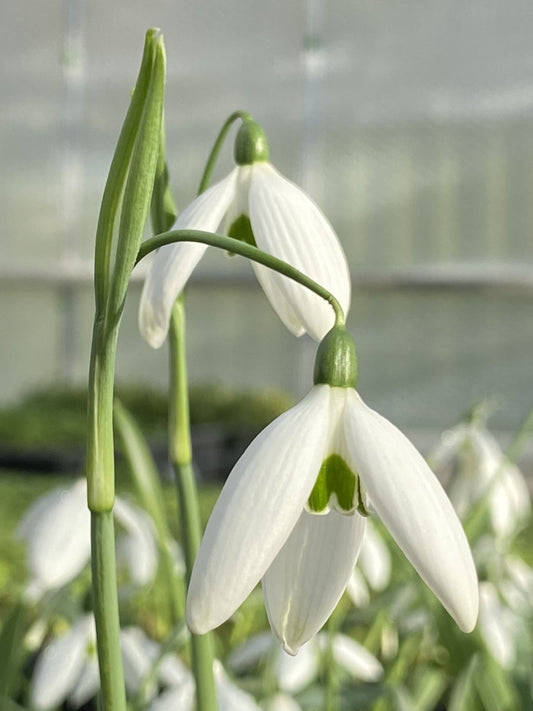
[241, 229]
[335, 478]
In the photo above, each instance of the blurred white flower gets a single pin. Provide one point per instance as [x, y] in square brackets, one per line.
[281, 702]
[181, 695]
[373, 568]
[267, 522]
[283, 221]
[57, 531]
[483, 470]
[295, 673]
[499, 626]
[67, 668]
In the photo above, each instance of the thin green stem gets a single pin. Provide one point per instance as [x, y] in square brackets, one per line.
[235, 246]
[100, 445]
[113, 696]
[215, 151]
[191, 527]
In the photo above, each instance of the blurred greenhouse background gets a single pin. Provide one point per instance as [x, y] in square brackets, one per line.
[411, 124]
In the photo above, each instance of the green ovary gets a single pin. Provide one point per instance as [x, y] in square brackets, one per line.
[335, 477]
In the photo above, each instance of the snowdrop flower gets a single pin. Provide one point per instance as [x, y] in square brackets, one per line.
[483, 470]
[57, 530]
[295, 673]
[281, 702]
[373, 567]
[256, 204]
[182, 695]
[292, 512]
[499, 626]
[67, 668]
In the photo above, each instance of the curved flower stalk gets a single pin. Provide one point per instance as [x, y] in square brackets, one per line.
[257, 204]
[293, 512]
[57, 531]
[483, 470]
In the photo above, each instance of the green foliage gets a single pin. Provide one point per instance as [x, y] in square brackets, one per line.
[56, 417]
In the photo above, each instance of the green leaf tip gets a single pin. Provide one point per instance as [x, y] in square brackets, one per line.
[251, 145]
[336, 360]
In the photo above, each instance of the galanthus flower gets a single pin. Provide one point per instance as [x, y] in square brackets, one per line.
[258, 205]
[293, 512]
[483, 470]
[373, 568]
[57, 529]
[295, 673]
[181, 695]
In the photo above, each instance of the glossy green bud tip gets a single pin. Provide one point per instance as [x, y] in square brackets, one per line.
[336, 360]
[251, 145]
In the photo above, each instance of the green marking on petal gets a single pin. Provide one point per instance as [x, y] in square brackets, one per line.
[241, 229]
[334, 477]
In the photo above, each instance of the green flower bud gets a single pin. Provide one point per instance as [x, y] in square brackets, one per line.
[251, 145]
[336, 360]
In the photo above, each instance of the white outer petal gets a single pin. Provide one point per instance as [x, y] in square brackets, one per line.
[281, 702]
[296, 672]
[357, 589]
[412, 504]
[248, 654]
[176, 697]
[504, 484]
[57, 529]
[59, 666]
[230, 697]
[137, 548]
[309, 575]
[257, 509]
[375, 559]
[173, 264]
[497, 626]
[87, 685]
[138, 655]
[289, 225]
[353, 657]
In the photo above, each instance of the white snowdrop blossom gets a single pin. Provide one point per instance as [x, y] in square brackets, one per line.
[67, 668]
[181, 695]
[291, 511]
[57, 529]
[283, 221]
[295, 673]
[483, 470]
[499, 626]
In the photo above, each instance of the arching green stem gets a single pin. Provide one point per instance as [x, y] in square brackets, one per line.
[215, 151]
[229, 244]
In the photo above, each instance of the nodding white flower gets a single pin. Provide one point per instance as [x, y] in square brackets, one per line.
[57, 529]
[181, 695]
[499, 626]
[256, 204]
[295, 673]
[373, 567]
[483, 470]
[292, 512]
[67, 668]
